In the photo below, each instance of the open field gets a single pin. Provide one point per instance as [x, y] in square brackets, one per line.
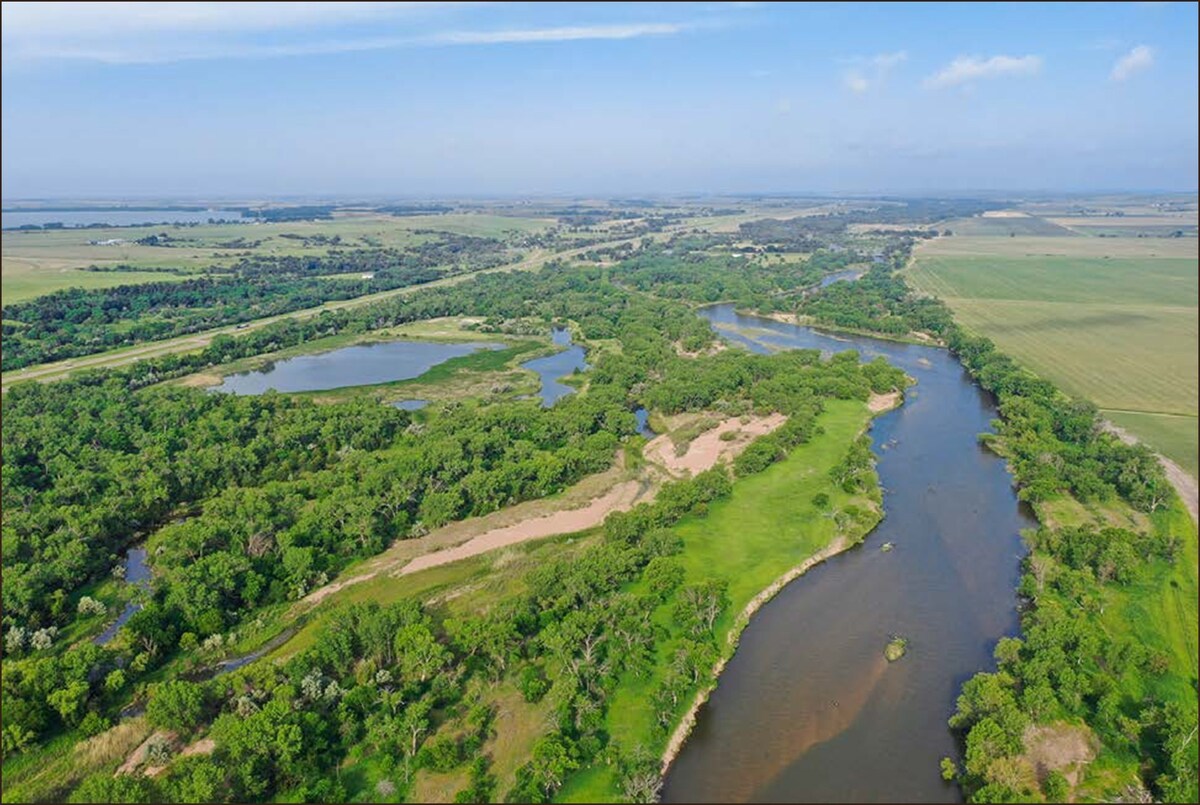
[1174, 436]
[1112, 320]
[33, 263]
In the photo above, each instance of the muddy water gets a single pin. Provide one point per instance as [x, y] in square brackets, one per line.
[808, 710]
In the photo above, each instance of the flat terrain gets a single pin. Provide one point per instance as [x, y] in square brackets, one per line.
[1113, 320]
[33, 263]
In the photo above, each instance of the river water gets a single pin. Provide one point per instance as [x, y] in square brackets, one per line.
[808, 709]
[137, 573]
[553, 367]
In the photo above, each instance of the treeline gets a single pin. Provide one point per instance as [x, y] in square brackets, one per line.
[74, 322]
[1070, 666]
[684, 270]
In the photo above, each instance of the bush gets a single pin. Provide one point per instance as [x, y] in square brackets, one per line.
[532, 684]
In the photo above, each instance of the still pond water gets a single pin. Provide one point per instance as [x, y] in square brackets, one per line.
[808, 709]
[361, 365]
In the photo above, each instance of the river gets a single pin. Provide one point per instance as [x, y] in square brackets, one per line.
[553, 367]
[808, 709]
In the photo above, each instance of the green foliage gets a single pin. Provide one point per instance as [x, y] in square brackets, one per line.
[1055, 787]
[176, 705]
[106, 787]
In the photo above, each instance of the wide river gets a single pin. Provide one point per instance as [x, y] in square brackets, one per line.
[808, 709]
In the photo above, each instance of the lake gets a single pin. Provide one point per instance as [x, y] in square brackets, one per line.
[118, 217]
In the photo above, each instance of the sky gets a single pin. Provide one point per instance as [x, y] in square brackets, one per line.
[422, 100]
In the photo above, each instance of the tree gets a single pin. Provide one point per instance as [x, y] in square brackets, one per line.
[638, 772]
[701, 604]
[176, 705]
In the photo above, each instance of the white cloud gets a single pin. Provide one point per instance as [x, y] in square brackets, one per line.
[855, 82]
[872, 72]
[24, 20]
[1136, 60]
[147, 33]
[567, 34]
[965, 69]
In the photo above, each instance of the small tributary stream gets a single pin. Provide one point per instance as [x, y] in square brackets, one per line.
[808, 709]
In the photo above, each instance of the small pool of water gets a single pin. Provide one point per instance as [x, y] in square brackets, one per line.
[410, 405]
[362, 365]
[643, 423]
[137, 573]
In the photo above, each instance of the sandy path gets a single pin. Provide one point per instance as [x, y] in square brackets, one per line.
[462, 539]
[708, 448]
[619, 498]
[1183, 482]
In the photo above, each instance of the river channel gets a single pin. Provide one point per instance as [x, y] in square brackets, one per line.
[808, 709]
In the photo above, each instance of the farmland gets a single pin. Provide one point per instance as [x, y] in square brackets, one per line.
[1113, 320]
[40, 262]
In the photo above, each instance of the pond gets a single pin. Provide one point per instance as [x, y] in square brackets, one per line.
[361, 365]
[808, 709]
[553, 367]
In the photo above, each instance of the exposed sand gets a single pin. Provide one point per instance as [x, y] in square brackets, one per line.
[708, 448]
[138, 756]
[529, 520]
[883, 402]
[523, 521]
[1180, 478]
[619, 498]
[1005, 214]
[1059, 747]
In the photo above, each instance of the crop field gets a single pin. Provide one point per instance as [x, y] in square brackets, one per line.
[1094, 316]
[33, 263]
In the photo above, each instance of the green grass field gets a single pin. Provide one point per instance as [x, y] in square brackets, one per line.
[766, 527]
[1118, 329]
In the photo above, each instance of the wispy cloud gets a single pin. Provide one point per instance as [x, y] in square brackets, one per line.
[871, 71]
[566, 34]
[1136, 60]
[966, 69]
[147, 33]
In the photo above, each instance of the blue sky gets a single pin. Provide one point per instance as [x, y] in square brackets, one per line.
[441, 99]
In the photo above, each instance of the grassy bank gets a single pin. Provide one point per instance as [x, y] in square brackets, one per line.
[768, 526]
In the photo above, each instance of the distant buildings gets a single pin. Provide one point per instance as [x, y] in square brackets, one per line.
[109, 242]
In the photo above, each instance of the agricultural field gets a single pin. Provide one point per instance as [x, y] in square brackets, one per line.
[33, 263]
[1113, 320]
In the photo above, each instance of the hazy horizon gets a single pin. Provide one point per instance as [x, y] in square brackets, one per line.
[444, 100]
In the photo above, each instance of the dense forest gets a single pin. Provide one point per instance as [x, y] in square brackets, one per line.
[247, 502]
